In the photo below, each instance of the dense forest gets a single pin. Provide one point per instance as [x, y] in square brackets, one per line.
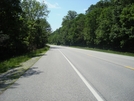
[109, 24]
[23, 27]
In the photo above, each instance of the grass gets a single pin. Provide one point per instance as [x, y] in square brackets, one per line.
[107, 51]
[15, 62]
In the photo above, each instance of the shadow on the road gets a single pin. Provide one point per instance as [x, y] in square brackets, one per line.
[9, 79]
[5, 84]
[14, 85]
[32, 71]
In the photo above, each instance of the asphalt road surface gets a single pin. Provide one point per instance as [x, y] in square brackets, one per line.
[70, 74]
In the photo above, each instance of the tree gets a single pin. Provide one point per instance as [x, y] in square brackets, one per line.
[10, 25]
[77, 30]
[109, 24]
[104, 29]
[127, 28]
[34, 13]
[23, 27]
[91, 25]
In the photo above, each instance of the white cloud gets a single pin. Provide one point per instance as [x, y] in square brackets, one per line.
[55, 5]
[39, 0]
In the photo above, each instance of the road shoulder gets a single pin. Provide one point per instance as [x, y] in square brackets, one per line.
[9, 77]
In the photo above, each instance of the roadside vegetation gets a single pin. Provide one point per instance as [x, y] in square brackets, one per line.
[108, 25]
[24, 30]
[107, 51]
[23, 27]
[15, 61]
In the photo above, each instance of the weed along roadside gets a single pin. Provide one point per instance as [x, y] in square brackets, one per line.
[25, 62]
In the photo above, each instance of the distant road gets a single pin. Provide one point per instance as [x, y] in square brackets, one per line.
[70, 74]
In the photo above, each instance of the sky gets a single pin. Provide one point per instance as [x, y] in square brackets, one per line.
[59, 8]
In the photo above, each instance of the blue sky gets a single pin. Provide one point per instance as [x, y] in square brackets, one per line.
[59, 9]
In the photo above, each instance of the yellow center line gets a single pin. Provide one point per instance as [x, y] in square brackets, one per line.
[129, 67]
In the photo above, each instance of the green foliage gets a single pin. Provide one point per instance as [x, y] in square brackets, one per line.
[35, 19]
[15, 62]
[10, 25]
[127, 28]
[104, 28]
[23, 27]
[109, 24]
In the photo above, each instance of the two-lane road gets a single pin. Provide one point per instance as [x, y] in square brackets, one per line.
[70, 74]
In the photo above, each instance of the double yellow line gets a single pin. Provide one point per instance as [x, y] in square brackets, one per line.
[129, 67]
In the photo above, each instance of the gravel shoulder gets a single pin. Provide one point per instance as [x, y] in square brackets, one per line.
[9, 77]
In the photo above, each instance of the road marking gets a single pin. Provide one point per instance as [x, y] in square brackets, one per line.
[94, 92]
[129, 67]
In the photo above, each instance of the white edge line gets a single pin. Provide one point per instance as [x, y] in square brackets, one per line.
[97, 96]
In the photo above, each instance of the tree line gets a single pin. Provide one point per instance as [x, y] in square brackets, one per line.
[23, 27]
[109, 24]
